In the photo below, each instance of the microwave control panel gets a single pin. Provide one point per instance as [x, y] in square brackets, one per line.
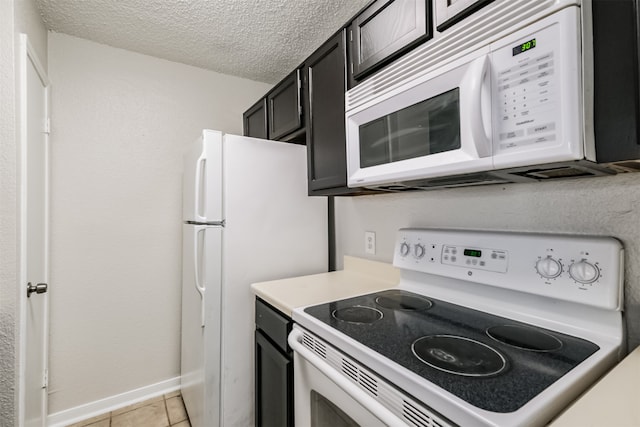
[527, 95]
[536, 86]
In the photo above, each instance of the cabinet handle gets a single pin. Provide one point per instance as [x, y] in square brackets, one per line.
[299, 92]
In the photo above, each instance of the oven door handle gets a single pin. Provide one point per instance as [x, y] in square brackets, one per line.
[368, 402]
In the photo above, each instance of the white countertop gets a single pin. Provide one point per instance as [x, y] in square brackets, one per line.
[614, 401]
[359, 277]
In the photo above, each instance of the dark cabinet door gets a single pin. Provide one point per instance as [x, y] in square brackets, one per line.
[384, 31]
[255, 120]
[325, 82]
[285, 107]
[274, 385]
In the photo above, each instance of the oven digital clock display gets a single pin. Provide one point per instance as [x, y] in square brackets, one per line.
[473, 252]
[523, 47]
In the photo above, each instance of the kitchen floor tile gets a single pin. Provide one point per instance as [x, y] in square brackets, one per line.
[173, 394]
[136, 406]
[104, 423]
[175, 409]
[162, 411]
[92, 422]
[153, 415]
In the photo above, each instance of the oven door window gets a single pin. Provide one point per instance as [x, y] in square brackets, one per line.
[325, 413]
[428, 127]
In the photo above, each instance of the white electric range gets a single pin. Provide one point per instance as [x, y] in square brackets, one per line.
[485, 328]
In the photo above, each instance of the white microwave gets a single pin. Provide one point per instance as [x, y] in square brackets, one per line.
[503, 96]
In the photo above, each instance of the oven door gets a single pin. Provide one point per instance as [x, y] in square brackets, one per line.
[434, 126]
[324, 397]
[331, 389]
[321, 402]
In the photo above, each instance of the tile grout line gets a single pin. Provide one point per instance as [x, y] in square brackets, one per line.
[166, 410]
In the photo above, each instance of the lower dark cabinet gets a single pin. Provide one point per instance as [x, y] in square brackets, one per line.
[274, 385]
[273, 368]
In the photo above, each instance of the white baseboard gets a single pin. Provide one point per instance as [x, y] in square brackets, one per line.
[99, 407]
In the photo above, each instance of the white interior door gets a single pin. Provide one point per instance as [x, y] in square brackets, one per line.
[34, 238]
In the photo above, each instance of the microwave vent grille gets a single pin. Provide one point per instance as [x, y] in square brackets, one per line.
[562, 171]
[626, 166]
[446, 182]
[480, 29]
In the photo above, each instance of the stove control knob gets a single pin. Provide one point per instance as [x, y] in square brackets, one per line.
[549, 267]
[584, 272]
[404, 249]
[418, 251]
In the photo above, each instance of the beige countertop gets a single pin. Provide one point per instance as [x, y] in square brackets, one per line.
[614, 401]
[360, 276]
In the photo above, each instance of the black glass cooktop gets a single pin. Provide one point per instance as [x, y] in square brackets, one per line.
[491, 362]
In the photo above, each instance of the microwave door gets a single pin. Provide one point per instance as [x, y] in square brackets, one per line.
[435, 127]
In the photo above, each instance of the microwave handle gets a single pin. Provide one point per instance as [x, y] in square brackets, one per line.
[382, 413]
[477, 72]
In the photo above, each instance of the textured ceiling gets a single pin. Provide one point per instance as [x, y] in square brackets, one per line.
[260, 40]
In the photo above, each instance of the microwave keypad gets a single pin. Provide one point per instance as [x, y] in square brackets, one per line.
[527, 97]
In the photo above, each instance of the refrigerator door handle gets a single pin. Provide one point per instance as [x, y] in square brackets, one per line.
[198, 252]
[200, 188]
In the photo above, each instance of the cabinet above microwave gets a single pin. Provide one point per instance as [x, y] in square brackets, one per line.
[383, 32]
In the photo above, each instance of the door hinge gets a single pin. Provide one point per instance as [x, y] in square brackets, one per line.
[47, 125]
[45, 380]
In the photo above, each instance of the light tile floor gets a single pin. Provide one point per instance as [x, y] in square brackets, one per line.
[162, 411]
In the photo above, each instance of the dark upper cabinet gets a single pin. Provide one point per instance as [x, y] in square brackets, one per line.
[450, 12]
[255, 120]
[284, 106]
[384, 31]
[325, 85]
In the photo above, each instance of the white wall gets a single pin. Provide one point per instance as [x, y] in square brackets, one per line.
[8, 219]
[19, 16]
[120, 123]
[599, 206]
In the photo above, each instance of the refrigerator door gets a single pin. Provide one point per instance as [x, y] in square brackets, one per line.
[201, 296]
[202, 180]
[273, 230]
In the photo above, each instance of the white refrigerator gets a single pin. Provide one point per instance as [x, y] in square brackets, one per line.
[246, 218]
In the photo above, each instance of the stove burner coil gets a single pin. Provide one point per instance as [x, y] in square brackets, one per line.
[459, 355]
[399, 300]
[357, 314]
[524, 338]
